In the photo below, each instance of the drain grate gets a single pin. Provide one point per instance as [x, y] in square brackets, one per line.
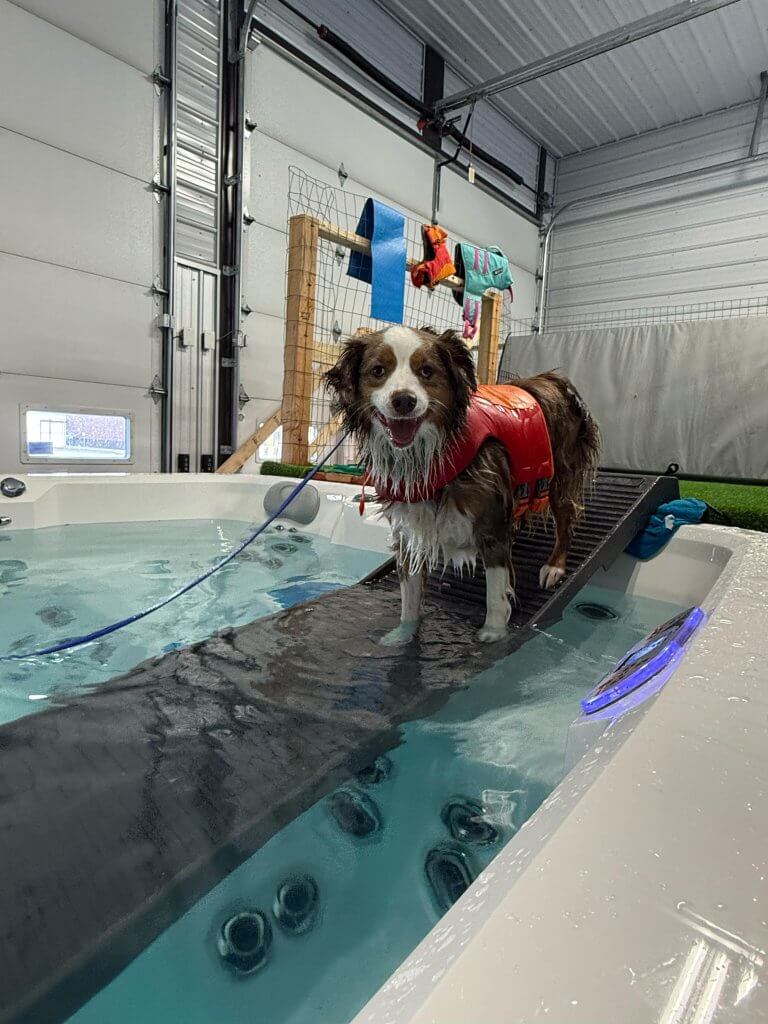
[596, 612]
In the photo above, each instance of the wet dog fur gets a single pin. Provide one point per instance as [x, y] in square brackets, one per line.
[404, 395]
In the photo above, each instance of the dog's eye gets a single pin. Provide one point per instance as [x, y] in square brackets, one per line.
[378, 371]
[426, 372]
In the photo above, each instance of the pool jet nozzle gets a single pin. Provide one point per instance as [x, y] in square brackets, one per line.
[244, 941]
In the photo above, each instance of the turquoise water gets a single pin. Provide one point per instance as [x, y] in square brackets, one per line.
[500, 742]
[68, 580]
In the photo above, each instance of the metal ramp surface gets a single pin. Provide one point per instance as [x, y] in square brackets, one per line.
[617, 507]
[121, 807]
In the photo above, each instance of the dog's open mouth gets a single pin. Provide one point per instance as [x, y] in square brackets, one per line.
[401, 431]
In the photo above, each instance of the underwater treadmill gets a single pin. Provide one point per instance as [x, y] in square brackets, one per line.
[123, 806]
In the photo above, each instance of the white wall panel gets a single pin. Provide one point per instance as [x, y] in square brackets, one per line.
[266, 254]
[125, 30]
[79, 229]
[103, 112]
[261, 367]
[68, 211]
[701, 241]
[62, 323]
[293, 108]
[303, 123]
[16, 391]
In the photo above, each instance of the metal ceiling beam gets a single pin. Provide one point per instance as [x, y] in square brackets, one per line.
[653, 23]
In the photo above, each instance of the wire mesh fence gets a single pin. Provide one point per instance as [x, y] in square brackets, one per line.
[716, 309]
[325, 307]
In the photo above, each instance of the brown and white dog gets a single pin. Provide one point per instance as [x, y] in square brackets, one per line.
[405, 396]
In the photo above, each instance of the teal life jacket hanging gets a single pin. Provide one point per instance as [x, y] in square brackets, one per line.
[481, 269]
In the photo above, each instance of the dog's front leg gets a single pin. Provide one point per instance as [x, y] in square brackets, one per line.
[411, 590]
[498, 587]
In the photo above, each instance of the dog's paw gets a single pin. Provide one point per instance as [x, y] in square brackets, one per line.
[550, 576]
[491, 634]
[400, 634]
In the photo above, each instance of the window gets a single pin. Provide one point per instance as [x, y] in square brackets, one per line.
[75, 435]
[271, 449]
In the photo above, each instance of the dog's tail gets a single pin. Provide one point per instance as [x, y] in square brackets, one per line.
[589, 443]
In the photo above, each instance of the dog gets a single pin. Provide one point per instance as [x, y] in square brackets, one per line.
[410, 398]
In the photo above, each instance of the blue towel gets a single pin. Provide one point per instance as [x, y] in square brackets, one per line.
[664, 523]
[385, 268]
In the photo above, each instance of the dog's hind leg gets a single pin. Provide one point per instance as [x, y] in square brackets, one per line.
[566, 514]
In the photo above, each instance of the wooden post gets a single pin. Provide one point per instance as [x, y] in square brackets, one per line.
[238, 458]
[299, 338]
[488, 339]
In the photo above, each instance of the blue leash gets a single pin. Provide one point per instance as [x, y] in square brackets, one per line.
[78, 641]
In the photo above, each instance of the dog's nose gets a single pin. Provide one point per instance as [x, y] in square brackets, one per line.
[403, 402]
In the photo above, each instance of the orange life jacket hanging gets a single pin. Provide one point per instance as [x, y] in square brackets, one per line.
[437, 263]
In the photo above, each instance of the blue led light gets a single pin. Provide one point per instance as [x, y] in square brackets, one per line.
[652, 658]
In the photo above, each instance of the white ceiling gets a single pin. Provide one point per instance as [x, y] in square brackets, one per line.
[705, 65]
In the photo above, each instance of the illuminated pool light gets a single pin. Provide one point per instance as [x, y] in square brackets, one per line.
[652, 659]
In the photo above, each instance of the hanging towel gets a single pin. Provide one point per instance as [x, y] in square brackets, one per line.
[481, 269]
[664, 523]
[385, 268]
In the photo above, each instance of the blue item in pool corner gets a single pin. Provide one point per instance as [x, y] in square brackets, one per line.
[663, 524]
[385, 268]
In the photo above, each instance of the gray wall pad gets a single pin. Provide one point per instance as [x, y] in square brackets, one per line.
[691, 393]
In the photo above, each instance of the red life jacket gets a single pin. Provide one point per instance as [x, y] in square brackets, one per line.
[507, 414]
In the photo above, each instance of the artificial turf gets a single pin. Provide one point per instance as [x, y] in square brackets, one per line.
[746, 506]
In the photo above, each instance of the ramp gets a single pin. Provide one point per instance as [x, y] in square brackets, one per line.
[616, 510]
[120, 808]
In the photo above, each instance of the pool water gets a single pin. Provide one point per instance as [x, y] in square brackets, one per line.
[68, 580]
[500, 743]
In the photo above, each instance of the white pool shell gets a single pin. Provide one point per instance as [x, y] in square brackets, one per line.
[637, 892]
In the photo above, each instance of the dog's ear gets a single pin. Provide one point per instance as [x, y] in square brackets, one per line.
[458, 363]
[342, 379]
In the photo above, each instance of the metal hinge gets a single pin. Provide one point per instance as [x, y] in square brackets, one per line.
[233, 179]
[227, 363]
[156, 389]
[243, 398]
[158, 187]
[225, 449]
[159, 79]
[230, 271]
[165, 321]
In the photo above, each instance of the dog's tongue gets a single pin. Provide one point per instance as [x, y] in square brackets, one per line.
[403, 432]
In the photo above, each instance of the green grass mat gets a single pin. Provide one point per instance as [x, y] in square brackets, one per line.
[286, 469]
[746, 506]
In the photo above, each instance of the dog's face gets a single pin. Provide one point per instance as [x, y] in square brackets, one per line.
[403, 387]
